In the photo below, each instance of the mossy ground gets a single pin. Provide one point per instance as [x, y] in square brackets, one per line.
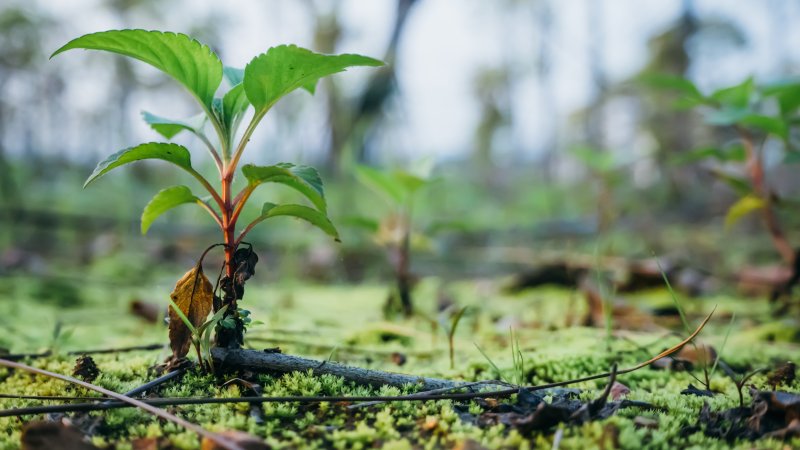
[346, 323]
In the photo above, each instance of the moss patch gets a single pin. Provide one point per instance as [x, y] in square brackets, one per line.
[345, 323]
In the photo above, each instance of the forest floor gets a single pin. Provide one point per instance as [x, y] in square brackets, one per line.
[346, 324]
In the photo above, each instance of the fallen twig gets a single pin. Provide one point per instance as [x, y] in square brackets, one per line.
[158, 381]
[339, 349]
[19, 356]
[277, 362]
[221, 440]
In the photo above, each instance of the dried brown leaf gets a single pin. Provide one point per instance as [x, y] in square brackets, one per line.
[194, 295]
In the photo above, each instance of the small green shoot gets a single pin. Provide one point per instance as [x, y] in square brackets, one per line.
[451, 332]
[704, 357]
[724, 343]
[496, 369]
[517, 362]
[201, 336]
[394, 232]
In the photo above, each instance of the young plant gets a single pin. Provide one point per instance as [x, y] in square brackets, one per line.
[450, 329]
[258, 87]
[607, 173]
[517, 362]
[394, 231]
[200, 336]
[755, 115]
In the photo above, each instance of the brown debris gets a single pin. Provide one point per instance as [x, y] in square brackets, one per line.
[399, 358]
[244, 440]
[45, 435]
[784, 375]
[619, 390]
[770, 415]
[150, 312]
[85, 369]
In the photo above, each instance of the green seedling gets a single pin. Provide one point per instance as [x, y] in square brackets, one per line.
[394, 231]
[451, 332]
[201, 336]
[517, 362]
[706, 381]
[607, 173]
[756, 115]
[266, 79]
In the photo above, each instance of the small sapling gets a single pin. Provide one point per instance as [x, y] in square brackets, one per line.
[263, 82]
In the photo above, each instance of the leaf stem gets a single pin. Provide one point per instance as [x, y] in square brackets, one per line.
[248, 228]
[207, 185]
[212, 150]
[755, 168]
[211, 211]
[223, 142]
[240, 200]
[248, 132]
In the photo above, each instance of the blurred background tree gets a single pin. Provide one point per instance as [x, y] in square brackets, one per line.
[499, 95]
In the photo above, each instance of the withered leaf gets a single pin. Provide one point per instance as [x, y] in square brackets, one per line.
[194, 295]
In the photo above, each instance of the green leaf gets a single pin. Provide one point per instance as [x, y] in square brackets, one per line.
[364, 223]
[595, 159]
[698, 154]
[741, 208]
[271, 75]
[767, 124]
[183, 317]
[212, 322]
[411, 183]
[727, 116]
[234, 104]
[739, 185]
[671, 82]
[788, 94]
[169, 128]
[304, 179]
[233, 75]
[737, 97]
[729, 153]
[165, 200]
[381, 182]
[188, 61]
[310, 215]
[174, 153]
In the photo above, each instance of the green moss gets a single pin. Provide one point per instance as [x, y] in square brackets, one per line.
[319, 319]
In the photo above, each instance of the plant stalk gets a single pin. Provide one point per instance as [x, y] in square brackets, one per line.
[227, 337]
[755, 168]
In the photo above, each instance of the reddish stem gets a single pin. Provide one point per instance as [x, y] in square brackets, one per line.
[228, 222]
[755, 169]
